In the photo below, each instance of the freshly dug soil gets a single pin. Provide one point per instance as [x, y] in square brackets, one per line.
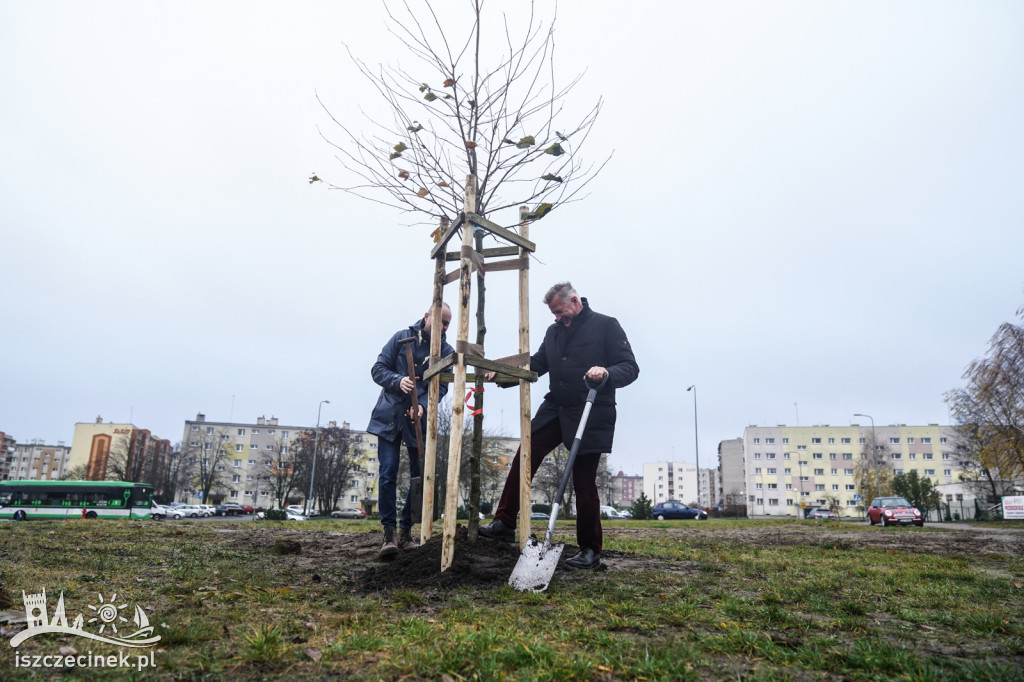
[353, 557]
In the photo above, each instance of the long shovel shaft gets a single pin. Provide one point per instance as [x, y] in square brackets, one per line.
[564, 483]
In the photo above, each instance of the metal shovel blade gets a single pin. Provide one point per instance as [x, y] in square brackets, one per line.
[535, 567]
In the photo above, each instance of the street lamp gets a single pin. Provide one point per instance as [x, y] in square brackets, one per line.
[874, 450]
[696, 440]
[316, 449]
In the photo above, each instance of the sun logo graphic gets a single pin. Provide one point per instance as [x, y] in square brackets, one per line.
[108, 614]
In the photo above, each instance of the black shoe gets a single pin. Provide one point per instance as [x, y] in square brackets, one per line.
[587, 558]
[499, 531]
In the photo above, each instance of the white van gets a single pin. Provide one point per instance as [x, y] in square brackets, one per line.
[612, 512]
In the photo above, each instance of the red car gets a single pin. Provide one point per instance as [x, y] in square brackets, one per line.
[894, 510]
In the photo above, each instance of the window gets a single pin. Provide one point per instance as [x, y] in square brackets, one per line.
[835, 486]
[924, 441]
[789, 503]
[814, 441]
[770, 455]
[817, 455]
[209, 429]
[771, 470]
[207, 446]
[757, 486]
[256, 432]
[772, 501]
[757, 455]
[238, 462]
[237, 478]
[946, 472]
[785, 441]
[787, 471]
[798, 447]
[239, 447]
[927, 472]
[284, 434]
[196, 428]
[271, 447]
[220, 468]
[911, 455]
[789, 486]
[835, 471]
[844, 441]
[831, 455]
[756, 440]
[818, 486]
[848, 472]
[802, 478]
[831, 441]
[850, 486]
[945, 455]
[252, 461]
[768, 441]
[846, 455]
[771, 486]
[863, 441]
[785, 455]
[234, 493]
[757, 470]
[817, 472]
[894, 440]
[895, 455]
[941, 440]
[910, 441]
[241, 432]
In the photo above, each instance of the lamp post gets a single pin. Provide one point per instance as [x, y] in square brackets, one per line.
[696, 440]
[316, 448]
[874, 450]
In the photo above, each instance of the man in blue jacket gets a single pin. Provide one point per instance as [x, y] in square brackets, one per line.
[391, 420]
[581, 343]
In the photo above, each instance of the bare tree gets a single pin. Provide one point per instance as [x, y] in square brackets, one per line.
[482, 101]
[284, 470]
[336, 460]
[989, 410]
[204, 460]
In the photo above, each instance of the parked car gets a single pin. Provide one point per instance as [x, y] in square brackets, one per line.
[539, 516]
[246, 508]
[159, 511]
[894, 510]
[350, 513]
[208, 509]
[190, 511]
[821, 513]
[612, 513]
[677, 510]
[290, 515]
[228, 509]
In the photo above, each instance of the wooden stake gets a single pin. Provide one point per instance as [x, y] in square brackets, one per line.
[525, 432]
[451, 506]
[433, 396]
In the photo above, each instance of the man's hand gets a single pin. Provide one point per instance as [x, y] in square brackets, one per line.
[417, 407]
[596, 373]
[406, 385]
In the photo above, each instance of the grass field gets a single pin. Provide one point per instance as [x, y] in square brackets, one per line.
[718, 600]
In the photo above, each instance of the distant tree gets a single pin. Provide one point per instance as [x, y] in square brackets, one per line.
[204, 460]
[874, 468]
[77, 472]
[919, 490]
[642, 508]
[283, 469]
[337, 457]
[989, 409]
[491, 473]
[549, 477]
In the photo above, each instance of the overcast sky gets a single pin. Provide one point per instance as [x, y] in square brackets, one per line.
[813, 209]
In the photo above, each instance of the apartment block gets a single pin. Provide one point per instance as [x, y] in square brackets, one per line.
[107, 449]
[791, 468]
[36, 461]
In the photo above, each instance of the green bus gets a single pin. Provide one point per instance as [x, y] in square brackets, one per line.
[24, 500]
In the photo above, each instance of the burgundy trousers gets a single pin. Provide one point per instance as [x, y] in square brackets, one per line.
[584, 480]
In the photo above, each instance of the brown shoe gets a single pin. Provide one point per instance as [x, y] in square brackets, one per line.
[389, 550]
[405, 538]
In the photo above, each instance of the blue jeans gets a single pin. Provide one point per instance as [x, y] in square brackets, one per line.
[387, 457]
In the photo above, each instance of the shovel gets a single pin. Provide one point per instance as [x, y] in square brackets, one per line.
[416, 482]
[537, 563]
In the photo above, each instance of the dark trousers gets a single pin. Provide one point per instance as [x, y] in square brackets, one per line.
[584, 480]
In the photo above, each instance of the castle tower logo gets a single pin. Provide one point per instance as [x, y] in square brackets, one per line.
[105, 616]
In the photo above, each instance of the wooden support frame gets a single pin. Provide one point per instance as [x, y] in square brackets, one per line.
[454, 367]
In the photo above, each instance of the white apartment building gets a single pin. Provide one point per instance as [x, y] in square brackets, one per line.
[34, 461]
[789, 468]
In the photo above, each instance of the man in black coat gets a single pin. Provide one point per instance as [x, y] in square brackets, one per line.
[581, 343]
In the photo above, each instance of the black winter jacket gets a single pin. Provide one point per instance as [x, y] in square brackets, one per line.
[388, 419]
[566, 354]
